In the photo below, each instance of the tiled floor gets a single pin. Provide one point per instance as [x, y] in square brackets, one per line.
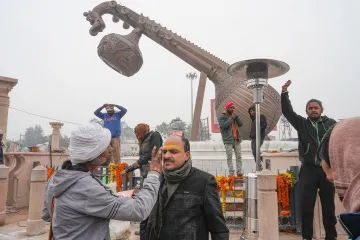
[16, 224]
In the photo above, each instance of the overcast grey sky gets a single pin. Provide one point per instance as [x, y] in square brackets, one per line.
[47, 47]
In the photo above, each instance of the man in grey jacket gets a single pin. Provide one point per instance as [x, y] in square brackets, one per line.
[83, 206]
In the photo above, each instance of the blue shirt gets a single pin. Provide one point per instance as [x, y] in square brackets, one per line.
[112, 122]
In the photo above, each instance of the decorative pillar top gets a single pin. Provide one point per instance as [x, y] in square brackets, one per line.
[266, 180]
[6, 85]
[56, 124]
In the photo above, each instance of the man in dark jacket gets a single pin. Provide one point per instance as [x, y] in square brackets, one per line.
[188, 205]
[312, 177]
[263, 126]
[229, 128]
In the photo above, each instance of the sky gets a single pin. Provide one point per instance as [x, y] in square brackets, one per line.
[47, 47]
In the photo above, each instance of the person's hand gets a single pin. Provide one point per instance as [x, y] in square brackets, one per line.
[105, 105]
[155, 163]
[134, 165]
[286, 85]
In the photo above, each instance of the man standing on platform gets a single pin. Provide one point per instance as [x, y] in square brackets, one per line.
[263, 126]
[112, 121]
[312, 177]
[229, 128]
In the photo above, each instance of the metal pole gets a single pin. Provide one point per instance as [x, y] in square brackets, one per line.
[207, 128]
[192, 102]
[257, 121]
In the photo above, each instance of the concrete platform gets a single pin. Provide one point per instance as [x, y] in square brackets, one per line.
[16, 224]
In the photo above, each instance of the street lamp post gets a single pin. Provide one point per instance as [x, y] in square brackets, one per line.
[257, 72]
[192, 76]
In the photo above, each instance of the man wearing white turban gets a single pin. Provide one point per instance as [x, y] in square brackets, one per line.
[83, 206]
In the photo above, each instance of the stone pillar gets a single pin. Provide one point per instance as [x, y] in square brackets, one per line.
[4, 175]
[35, 225]
[6, 85]
[268, 216]
[55, 137]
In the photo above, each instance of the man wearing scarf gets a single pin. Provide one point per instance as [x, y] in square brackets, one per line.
[188, 205]
[312, 177]
[230, 133]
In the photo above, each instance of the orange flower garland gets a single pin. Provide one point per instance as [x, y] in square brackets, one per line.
[50, 172]
[226, 183]
[119, 168]
[284, 182]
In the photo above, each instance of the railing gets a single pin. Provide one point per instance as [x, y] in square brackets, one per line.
[103, 174]
[234, 213]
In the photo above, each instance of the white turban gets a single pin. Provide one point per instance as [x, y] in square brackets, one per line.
[88, 142]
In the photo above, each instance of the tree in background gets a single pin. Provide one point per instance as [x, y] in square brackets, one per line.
[33, 136]
[127, 132]
[64, 140]
[178, 125]
[163, 129]
[203, 134]
[97, 120]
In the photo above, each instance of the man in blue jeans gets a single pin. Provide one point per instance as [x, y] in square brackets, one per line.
[112, 121]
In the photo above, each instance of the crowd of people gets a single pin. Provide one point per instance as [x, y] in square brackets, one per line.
[178, 201]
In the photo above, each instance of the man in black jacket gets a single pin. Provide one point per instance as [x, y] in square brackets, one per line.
[311, 178]
[263, 126]
[188, 205]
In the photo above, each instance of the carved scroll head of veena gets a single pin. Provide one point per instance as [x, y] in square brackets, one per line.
[121, 53]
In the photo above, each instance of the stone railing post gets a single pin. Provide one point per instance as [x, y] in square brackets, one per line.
[35, 225]
[268, 216]
[55, 137]
[4, 175]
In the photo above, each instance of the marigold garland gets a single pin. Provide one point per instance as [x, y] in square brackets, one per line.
[50, 172]
[111, 172]
[284, 181]
[119, 168]
[226, 184]
[223, 204]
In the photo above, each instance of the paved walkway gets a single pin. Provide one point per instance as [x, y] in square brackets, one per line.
[15, 227]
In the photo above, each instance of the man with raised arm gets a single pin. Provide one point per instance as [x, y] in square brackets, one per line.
[312, 177]
[112, 121]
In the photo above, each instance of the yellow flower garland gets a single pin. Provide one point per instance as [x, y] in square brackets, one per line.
[111, 172]
[226, 184]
